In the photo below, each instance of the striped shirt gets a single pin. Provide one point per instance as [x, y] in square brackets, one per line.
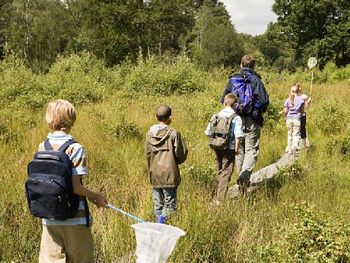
[77, 155]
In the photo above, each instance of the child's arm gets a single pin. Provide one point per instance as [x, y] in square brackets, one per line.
[180, 149]
[98, 199]
[237, 145]
[284, 112]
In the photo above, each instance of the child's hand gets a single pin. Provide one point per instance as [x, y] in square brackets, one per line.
[100, 201]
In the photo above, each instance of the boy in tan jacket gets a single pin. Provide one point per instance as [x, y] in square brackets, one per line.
[165, 150]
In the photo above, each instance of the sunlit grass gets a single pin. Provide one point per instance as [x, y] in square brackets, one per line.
[237, 231]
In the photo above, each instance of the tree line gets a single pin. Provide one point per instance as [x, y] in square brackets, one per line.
[122, 30]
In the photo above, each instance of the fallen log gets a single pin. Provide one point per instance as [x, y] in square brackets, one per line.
[260, 177]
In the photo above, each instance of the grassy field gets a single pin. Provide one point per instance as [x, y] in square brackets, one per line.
[299, 217]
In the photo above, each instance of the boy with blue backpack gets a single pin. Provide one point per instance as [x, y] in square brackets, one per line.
[55, 192]
[224, 131]
[253, 101]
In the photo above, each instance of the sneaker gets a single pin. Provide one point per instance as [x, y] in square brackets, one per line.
[161, 219]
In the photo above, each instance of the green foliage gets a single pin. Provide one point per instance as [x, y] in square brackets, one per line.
[77, 78]
[6, 135]
[316, 28]
[123, 130]
[262, 229]
[340, 145]
[310, 239]
[203, 176]
[329, 117]
[213, 41]
[20, 88]
[272, 116]
[164, 78]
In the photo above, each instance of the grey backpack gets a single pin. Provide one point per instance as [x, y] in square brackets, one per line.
[219, 130]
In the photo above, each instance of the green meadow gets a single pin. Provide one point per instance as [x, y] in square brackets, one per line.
[299, 216]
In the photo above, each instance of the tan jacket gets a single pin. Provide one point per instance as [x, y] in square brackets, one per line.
[165, 150]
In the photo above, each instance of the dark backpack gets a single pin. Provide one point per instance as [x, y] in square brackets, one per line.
[219, 129]
[242, 88]
[49, 188]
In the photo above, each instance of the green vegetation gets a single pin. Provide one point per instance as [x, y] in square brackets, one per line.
[299, 216]
[39, 31]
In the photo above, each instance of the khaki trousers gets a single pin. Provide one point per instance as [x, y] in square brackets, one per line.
[293, 127]
[66, 244]
[249, 150]
[225, 160]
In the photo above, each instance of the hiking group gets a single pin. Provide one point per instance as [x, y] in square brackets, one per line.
[54, 187]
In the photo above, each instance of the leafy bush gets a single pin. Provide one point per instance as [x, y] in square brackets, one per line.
[165, 77]
[203, 176]
[339, 145]
[20, 88]
[78, 78]
[123, 130]
[332, 73]
[329, 117]
[272, 115]
[310, 239]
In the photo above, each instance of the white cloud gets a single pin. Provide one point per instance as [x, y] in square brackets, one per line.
[250, 16]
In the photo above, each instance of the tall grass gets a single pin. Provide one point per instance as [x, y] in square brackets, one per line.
[271, 225]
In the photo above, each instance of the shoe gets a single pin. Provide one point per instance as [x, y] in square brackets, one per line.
[161, 219]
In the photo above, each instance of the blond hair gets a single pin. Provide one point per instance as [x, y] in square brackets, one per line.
[60, 115]
[230, 100]
[293, 92]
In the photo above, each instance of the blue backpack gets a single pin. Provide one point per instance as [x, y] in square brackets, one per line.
[49, 188]
[242, 88]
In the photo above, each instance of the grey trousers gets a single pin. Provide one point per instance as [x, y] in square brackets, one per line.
[249, 150]
[164, 201]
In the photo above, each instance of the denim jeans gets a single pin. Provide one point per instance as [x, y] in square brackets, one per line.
[164, 201]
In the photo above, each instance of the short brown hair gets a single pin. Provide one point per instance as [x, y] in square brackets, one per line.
[230, 100]
[163, 113]
[60, 114]
[248, 61]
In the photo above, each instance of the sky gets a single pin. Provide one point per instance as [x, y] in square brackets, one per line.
[250, 16]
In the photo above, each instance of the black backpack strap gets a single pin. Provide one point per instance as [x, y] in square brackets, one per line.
[87, 211]
[65, 145]
[47, 145]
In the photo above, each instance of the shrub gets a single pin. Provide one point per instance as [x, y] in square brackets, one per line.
[329, 117]
[339, 145]
[123, 130]
[310, 239]
[203, 176]
[272, 115]
[20, 88]
[78, 78]
[165, 77]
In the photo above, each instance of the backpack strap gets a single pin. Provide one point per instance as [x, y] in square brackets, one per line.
[64, 146]
[47, 145]
[87, 211]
